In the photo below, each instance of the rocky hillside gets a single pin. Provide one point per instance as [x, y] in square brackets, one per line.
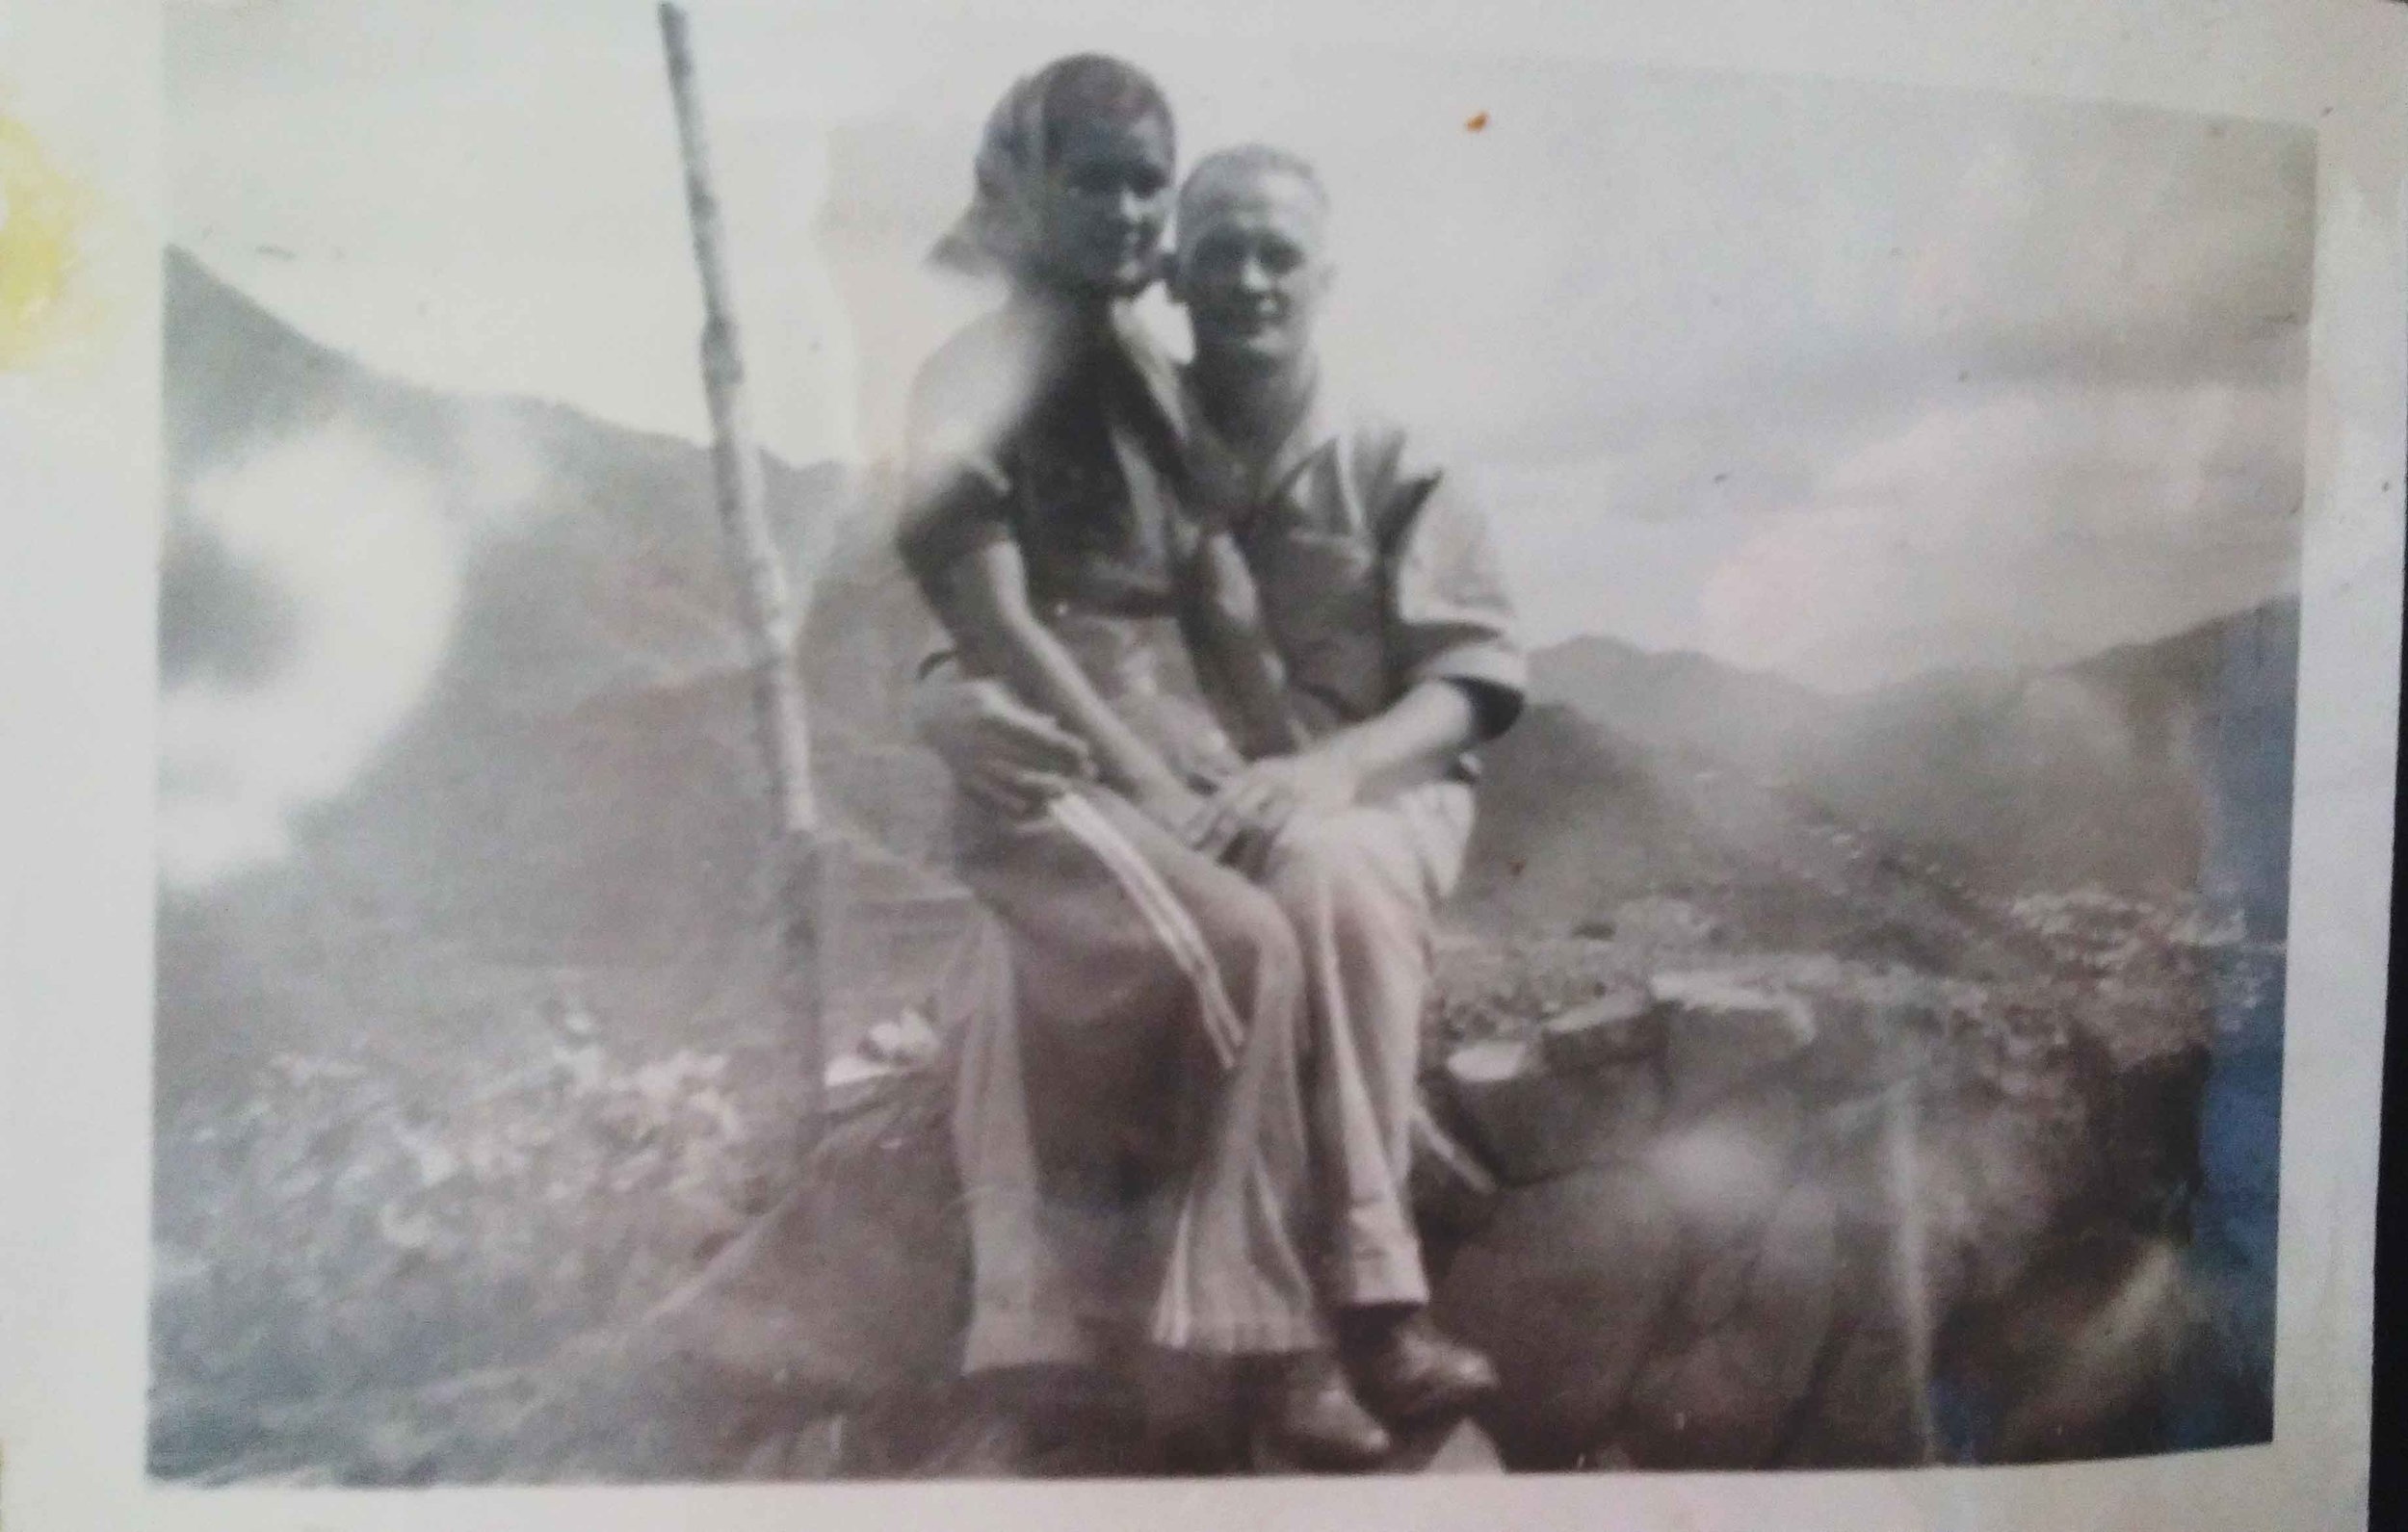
[458, 1091]
[2112, 771]
[577, 785]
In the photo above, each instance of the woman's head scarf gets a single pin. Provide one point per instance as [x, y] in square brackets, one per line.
[1000, 231]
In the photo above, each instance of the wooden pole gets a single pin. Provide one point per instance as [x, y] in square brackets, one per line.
[767, 612]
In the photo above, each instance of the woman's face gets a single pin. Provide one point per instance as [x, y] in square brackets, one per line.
[1108, 193]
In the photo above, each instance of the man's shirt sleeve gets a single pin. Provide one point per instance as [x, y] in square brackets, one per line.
[1452, 618]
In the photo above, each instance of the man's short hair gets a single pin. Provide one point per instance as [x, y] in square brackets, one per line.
[1224, 168]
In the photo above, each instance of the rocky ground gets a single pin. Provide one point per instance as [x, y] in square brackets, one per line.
[475, 1151]
[1719, 1205]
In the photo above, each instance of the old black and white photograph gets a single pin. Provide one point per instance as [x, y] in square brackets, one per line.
[896, 753]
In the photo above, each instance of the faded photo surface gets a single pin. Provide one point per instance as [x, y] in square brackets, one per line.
[1746, 928]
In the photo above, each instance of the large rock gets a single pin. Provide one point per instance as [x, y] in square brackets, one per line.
[2145, 1096]
[1453, 1192]
[1532, 1121]
[1863, 1047]
[1728, 1396]
[1995, 1187]
[1912, 1209]
[1463, 1450]
[857, 1282]
[2081, 1353]
[1564, 1290]
[1722, 1033]
[1723, 1173]
[1868, 1408]
[1622, 1027]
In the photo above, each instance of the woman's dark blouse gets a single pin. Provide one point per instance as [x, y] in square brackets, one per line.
[1075, 456]
[1077, 460]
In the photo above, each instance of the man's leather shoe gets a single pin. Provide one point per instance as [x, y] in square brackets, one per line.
[1408, 1372]
[1313, 1420]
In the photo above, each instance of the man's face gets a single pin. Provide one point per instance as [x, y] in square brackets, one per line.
[1107, 197]
[1252, 268]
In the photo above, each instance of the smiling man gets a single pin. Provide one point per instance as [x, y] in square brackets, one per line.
[1391, 633]
[1362, 603]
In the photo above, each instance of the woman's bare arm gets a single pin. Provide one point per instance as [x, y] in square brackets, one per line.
[983, 601]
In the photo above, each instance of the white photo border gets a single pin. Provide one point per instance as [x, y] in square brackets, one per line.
[79, 471]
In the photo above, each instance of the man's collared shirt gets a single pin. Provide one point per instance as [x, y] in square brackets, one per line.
[1376, 572]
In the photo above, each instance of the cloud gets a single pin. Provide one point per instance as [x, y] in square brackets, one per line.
[221, 621]
[1679, 249]
[489, 198]
[348, 546]
[1715, 346]
[2031, 528]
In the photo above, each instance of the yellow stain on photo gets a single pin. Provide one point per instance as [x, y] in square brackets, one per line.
[41, 213]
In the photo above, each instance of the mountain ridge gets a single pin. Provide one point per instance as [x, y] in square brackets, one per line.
[579, 784]
[2104, 770]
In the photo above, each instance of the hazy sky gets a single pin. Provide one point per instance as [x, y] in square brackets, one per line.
[1835, 379]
